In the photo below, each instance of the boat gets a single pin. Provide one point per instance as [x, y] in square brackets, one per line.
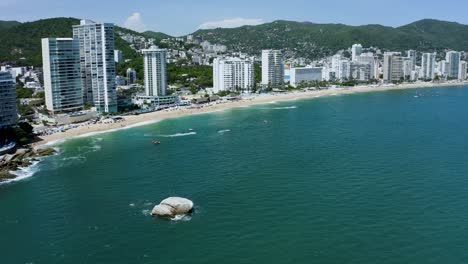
[155, 142]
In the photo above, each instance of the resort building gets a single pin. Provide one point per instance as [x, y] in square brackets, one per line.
[412, 55]
[62, 76]
[231, 74]
[96, 42]
[462, 71]
[428, 64]
[155, 71]
[344, 70]
[372, 60]
[407, 68]
[392, 67]
[8, 111]
[307, 74]
[272, 67]
[453, 62]
[360, 71]
[356, 50]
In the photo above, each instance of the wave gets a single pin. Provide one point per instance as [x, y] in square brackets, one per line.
[146, 212]
[183, 218]
[180, 135]
[24, 172]
[224, 131]
[285, 107]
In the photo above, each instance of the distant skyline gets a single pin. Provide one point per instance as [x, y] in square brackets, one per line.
[180, 17]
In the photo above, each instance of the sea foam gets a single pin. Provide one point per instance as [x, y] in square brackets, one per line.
[285, 107]
[180, 135]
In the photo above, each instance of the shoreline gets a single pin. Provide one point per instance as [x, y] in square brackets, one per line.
[255, 99]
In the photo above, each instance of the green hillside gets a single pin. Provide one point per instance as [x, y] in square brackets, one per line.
[316, 40]
[24, 39]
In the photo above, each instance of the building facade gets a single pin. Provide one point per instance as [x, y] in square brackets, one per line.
[272, 67]
[428, 63]
[155, 71]
[97, 63]
[462, 71]
[62, 75]
[392, 67]
[230, 74]
[356, 51]
[307, 74]
[8, 110]
[131, 76]
[118, 57]
[453, 59]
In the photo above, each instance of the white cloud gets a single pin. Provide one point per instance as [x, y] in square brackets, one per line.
[135, 22]
[231, 23]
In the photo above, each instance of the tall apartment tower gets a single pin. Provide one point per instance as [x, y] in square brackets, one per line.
[393, 66]
[272, 67]
[462, 71]
[8, 111]
[155, 71]
[428, 64]
[356, 51]
[96, 42]
[62, 75]
[412, 55]
[453, 60]
[233, 73]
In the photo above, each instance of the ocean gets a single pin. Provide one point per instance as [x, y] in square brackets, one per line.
[377, 177]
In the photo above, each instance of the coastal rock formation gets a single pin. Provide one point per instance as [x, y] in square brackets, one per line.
[173, 206]
[20, 159]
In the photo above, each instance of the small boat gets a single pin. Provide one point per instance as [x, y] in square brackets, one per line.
[155, 142]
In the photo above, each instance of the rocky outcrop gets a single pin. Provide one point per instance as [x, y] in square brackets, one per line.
[172, 207]
[21, 158]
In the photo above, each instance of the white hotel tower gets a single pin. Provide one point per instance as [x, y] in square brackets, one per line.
[155, 71]
[232, 74]
[272, 67]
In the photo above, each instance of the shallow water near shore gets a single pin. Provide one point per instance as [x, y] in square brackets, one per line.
[361, 178]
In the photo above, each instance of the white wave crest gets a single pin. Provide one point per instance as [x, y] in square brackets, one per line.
[180, 135]
[183, 218]
[146, 212]
[284, 108]
[25, 172]
[224, 131]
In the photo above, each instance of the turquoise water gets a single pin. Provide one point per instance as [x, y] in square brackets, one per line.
[363, 178]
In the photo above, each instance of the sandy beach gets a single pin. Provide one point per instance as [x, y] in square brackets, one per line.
[143, 119]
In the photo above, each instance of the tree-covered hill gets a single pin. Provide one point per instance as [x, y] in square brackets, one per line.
[23, 40]
[316, 40]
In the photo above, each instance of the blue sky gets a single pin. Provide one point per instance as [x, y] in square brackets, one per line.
[178, 17]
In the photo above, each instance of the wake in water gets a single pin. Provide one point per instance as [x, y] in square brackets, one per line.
[180, 135]
[285, 107]
[224, 131]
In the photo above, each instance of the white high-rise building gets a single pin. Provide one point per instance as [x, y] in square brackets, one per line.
[231, 74]
[344, 70]
[428, 63]
[62, 75]
[393, 66]
[453, 59]
[360, 71]
[307, 74]
[272, 67]
[356, 51]
[462, 71]
[407, 68]
[155, 71]
[372, 60]
[412, 55]
[96, 41]
[8, 111]
[118, 58]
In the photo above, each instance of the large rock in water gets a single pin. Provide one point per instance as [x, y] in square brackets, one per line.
[173, 206]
